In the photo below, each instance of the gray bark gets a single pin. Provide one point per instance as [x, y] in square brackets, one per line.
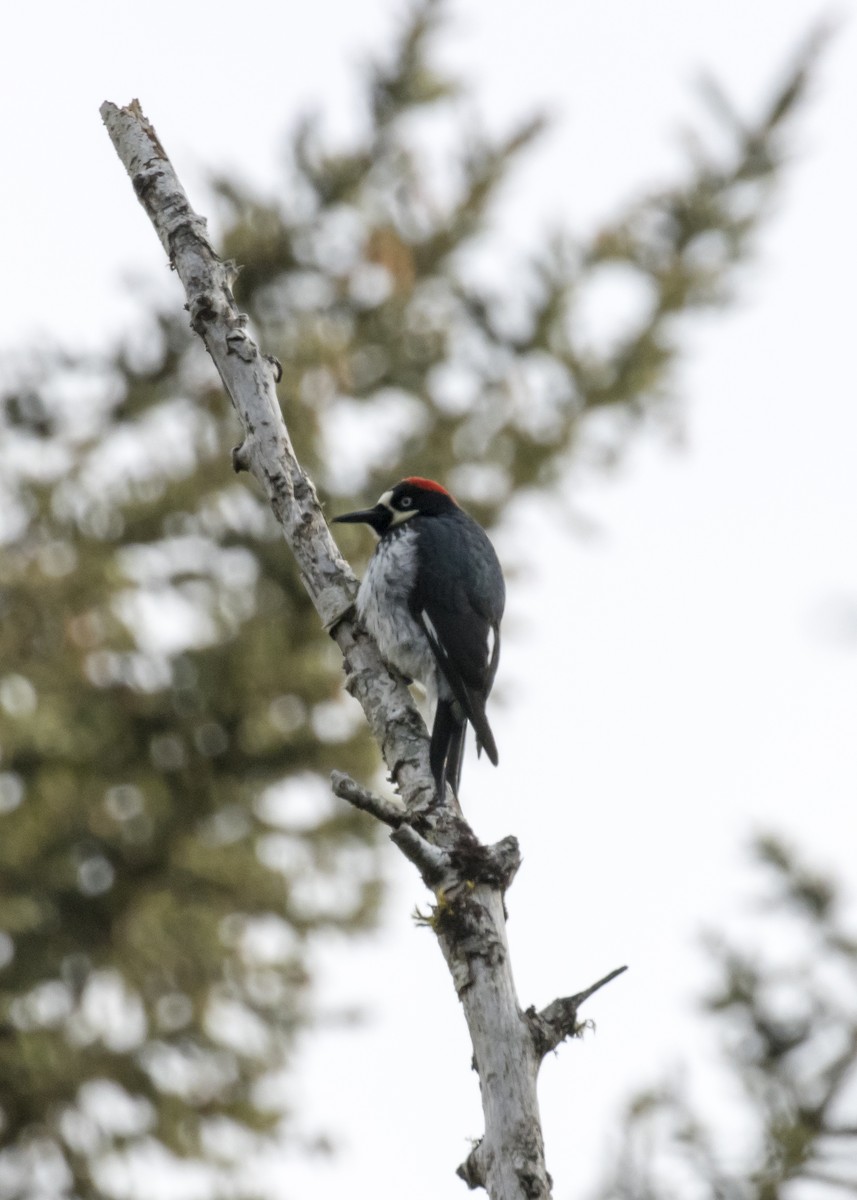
[469, 880]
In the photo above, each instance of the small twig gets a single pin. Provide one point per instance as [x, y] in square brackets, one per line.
[389, 811]
[240, 458]
[433, 864]
[559, 1020]
[472, 1170]
[495, 865]
[506, 858]
[595, 987]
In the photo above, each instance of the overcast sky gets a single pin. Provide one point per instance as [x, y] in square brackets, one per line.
[676, 680]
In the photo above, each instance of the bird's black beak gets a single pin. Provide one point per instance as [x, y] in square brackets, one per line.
[378, 517]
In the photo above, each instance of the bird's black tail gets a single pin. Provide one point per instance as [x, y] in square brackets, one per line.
[485, 740]
[446, 752]
[484, 736]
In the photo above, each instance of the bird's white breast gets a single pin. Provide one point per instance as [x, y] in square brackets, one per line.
[382, 604]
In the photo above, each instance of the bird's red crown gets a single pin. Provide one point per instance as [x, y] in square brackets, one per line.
[428, 485]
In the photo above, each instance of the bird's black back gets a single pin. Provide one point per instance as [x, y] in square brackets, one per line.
[460, 587]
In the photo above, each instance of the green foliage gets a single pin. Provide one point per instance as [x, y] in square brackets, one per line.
[787, 1007]
[169, 707]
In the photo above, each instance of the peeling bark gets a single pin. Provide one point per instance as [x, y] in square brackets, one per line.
[468, 879]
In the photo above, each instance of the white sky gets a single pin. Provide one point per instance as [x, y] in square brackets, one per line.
[672, 684]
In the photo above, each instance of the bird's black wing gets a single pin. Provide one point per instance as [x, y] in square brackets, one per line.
[458, 599]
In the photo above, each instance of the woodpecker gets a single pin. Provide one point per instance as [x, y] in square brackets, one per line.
[433, 597]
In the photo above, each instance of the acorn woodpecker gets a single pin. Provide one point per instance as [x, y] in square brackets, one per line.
[432, 598]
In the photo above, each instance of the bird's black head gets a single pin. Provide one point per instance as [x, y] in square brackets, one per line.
[411, 497]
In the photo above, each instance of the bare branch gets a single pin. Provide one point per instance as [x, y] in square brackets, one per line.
[267, 452]
[472, 1170]
[387, 811]
[559, 1020]
[468, 878]
[433, 864]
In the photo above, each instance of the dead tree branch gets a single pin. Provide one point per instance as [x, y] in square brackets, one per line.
[559, 1020]
[468, 879]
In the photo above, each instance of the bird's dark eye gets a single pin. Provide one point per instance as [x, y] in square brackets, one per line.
[405, 502]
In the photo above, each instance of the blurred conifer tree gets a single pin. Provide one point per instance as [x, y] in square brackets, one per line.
[169, 708]
[785, 1003]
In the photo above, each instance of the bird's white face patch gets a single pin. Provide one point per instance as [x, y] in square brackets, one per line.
[399, 515]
